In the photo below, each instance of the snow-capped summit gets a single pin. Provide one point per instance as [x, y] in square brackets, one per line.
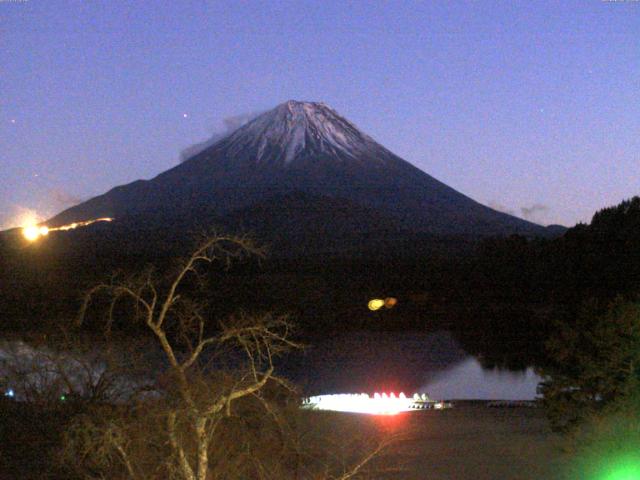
[296, 131]
[294, 126]
[301, 153]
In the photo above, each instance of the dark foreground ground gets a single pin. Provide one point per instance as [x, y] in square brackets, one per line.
[471, 442]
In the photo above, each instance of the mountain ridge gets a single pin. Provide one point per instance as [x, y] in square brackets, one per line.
[307, 147]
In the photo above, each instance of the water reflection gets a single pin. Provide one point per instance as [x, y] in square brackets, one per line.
[468, 380]
[372, 362]
[433, 363]
[355, 362]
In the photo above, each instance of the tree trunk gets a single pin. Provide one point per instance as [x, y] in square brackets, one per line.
[203, 448]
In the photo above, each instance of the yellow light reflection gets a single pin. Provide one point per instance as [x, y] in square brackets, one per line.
[375, 304]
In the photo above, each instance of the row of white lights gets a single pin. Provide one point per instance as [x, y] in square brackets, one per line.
[379, 404]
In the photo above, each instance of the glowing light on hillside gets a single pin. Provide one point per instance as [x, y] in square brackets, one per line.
[34, 232]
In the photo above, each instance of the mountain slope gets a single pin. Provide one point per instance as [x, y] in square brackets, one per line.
[302, 147]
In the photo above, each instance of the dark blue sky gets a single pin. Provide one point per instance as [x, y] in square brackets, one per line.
[520, 105]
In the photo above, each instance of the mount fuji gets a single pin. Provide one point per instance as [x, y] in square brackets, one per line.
[299, 167]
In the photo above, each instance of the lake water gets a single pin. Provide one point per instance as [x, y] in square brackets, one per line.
[432, 363]
[369, 362]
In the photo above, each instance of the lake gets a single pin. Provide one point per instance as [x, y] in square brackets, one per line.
[362, 362]
[432, 363]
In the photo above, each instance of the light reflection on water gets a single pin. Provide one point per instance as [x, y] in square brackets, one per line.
[468, 380]
[369, 362]
[432, 363]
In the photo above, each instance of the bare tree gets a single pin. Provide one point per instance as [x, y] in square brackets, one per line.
[218, 410]
[193, 410]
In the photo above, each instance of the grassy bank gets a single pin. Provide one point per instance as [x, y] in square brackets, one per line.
[468, 442]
